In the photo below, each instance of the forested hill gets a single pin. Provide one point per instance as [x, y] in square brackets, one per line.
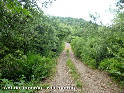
[70, 21]
[75, 26]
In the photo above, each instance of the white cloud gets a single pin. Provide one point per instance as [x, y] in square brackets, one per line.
[81, 9]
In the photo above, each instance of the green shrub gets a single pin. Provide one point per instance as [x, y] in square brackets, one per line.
[104, 65]
[5, 83]
[11, 67]
[38, 66]
[33, 65]
[103, 50]
[114, 67]
[29, 41]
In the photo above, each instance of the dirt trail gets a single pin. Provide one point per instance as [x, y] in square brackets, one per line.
[62, 78]
[94, 81]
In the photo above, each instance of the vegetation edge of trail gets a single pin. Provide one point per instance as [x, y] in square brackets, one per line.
[74, 73]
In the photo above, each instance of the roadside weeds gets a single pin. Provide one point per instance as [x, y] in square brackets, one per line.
[74, 73]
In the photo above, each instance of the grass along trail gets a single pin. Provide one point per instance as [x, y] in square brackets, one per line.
[74, 74]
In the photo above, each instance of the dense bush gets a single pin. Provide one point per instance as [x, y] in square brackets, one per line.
[32, 65]
[40, 67]
[29, 41]
[103, 48]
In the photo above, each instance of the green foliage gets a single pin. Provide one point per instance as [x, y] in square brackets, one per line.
[79, 84]
[111, 65]
[30, 66]
[40, 67]
[29, 41]
[67, 52]
[75, 75]
[102, 47]
[11, 67]
[19, 87]
[72, 69]
[114, 67]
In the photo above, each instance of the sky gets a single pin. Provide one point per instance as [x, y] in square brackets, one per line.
[82, 8]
